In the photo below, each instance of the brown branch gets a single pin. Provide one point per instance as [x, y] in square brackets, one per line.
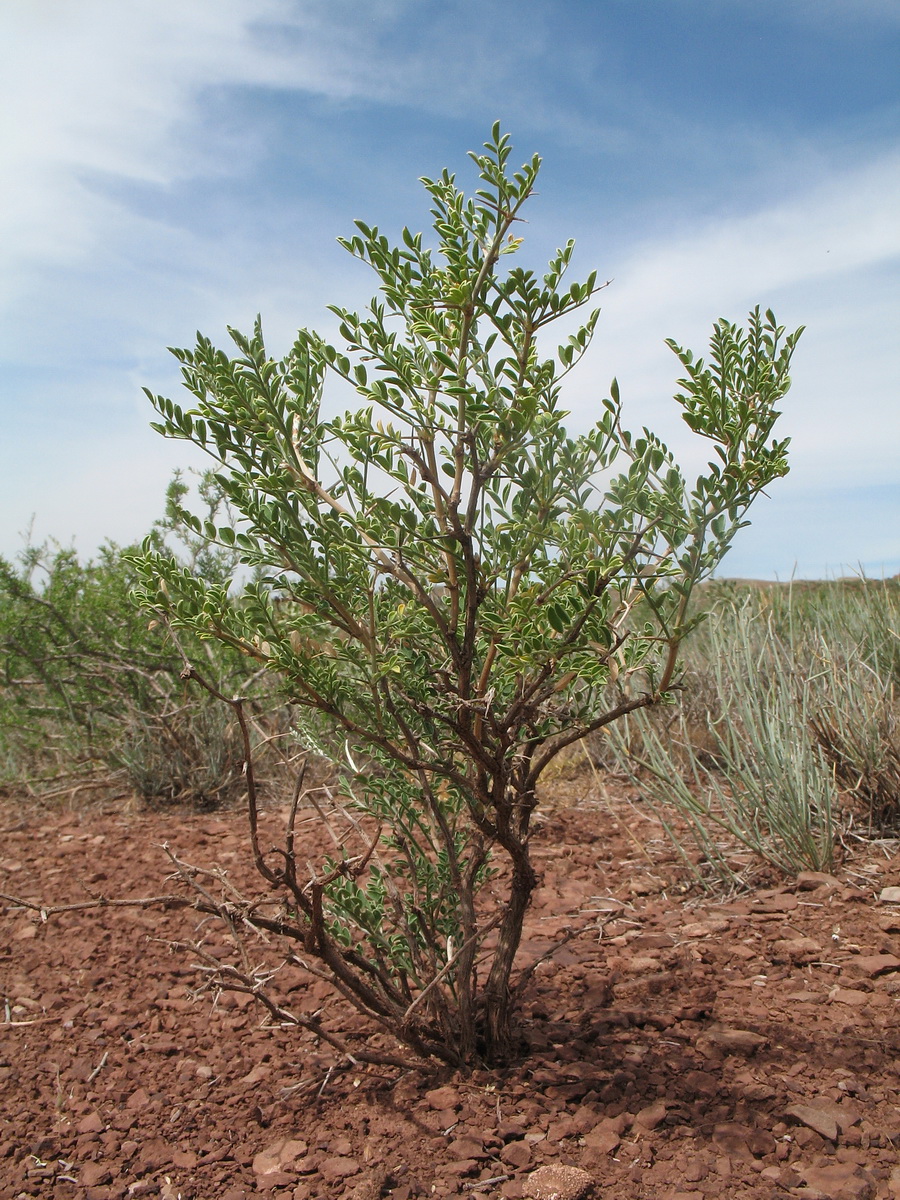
[54, 910]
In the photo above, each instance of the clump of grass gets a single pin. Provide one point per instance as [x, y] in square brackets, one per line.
[789, 723]
[757, 775]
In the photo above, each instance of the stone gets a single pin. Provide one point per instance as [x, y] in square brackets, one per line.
[734, 1041]
[699, 929]
[558, 1183]
[333, 1169]
[603, 1139]
[796, 950]
[843, 1181]
[732, 1139]
[279, 1156]
[275, 1179]
[467, 1147]
[783, 1176]
[639, 963]
[648, 1118]
[443, 1097]
[516, 1155]
[890, 895]
[816, 1119]
[810, 881]
[92, 1123]
[844, 1115]
[93, 1174]
[872, 965]
[839, 995]
[459, 1166]
[139, 1099]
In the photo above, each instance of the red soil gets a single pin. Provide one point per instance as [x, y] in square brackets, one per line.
[680, 1049]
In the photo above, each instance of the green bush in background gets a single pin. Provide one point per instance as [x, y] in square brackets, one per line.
[91, 695]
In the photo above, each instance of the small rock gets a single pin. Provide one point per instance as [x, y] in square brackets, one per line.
[783, 1176]
[810, 881]
[648, 1118]
[333, 1169]
[843, 1181]
[778, 902]
[139, 1099]
[93, 1174]
[92, 1123]
[872, 965]
[558, 1183]
[279, 1156]
[839, 995]
[700, 929]
[275, 1179]
[638, 963]
[459, 1166]
[467, 1147]
[796, 950]
[700, 1083]
[761, 1143]
[732, 1138]
[816, 1119]
[443, 1097]
[147, 1187]
[516, 1155]
[735, 1041]
[844, 1115]
[890, 895]
[603, 1139]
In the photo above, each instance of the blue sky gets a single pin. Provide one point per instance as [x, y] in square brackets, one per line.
[173, 165]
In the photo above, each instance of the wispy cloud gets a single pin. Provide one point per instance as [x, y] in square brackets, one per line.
[828, 258]
[95, 93]
[135, 141]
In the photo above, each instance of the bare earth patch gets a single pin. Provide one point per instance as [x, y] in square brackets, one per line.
[676, 1049]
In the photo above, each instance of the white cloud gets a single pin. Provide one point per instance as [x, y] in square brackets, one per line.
[96, 93]
[93, 90]
[828, 258]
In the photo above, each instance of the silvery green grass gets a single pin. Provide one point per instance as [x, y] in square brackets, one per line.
[451, 588]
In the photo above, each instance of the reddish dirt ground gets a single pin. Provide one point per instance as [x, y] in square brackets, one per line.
[680, 1048]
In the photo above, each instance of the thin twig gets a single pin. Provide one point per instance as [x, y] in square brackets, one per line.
[99, 1067]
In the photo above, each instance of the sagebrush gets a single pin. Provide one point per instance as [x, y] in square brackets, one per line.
[448, 584]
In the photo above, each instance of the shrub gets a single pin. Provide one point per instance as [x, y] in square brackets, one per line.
[448, 584]
[92, 697]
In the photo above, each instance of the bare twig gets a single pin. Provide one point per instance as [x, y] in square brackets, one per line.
[99, 1067]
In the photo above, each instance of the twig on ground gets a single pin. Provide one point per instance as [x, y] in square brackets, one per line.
[99, 1067]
